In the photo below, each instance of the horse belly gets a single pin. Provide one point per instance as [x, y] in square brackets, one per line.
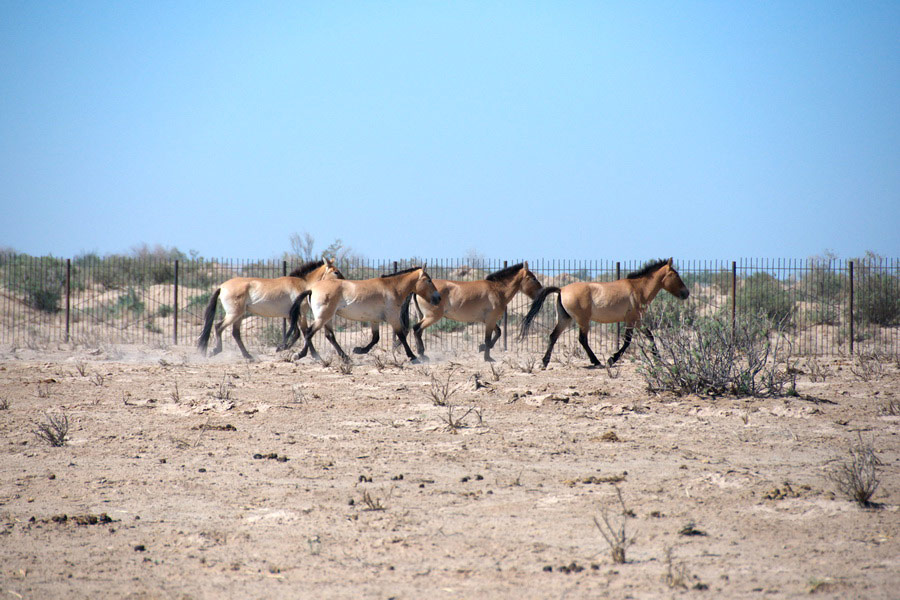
[612, 310]
[468, 313]
[280, 307]
[356, 312]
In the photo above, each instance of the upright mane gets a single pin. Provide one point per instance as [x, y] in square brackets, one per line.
[504, 274]
[647, 269]
[305, 269]
[403, 272]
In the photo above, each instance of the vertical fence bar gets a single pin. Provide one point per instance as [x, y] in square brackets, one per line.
[851, 308]
[733, 297]
[618, 325]
[283, 321]
[175, 308]
[505, 319]
[68, 295]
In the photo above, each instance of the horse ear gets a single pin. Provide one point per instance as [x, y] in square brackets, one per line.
[670, 261]
[526, 265]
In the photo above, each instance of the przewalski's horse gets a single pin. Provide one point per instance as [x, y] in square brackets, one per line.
[481, 301]
[609, 302]
[372, 300]
[243, 296]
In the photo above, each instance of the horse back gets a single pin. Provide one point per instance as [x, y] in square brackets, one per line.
[602, 302]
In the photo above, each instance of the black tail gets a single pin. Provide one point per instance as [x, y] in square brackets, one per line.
[295, 313]
[208, 315]
[536, 308]
[404, 313]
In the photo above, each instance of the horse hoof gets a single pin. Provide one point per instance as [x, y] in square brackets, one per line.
[423, 358]
[359, 350]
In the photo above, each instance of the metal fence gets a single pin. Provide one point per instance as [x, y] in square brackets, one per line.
[831, 307]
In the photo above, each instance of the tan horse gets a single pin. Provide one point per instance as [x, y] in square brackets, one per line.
[243, 296]
[371, 300]
[481, 301]
[611, 302]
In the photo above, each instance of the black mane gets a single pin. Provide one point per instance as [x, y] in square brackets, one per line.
[650, 267]
[403, 272]
[504, 274]
[305, 269]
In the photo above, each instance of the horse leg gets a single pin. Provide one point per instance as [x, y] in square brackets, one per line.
[220, 326]
[329, 335]
[612, 359]
[376, 335]
[419, 328]
[401, 335]
[583, 339]
[236, 334]
[497, 332]
[561, 326]
[646, 331]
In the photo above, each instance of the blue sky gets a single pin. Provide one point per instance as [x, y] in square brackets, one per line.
[584, 130]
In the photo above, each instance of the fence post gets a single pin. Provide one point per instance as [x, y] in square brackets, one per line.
[175, 308]
[733, 297]
[618, 325]
[505, 319]
[68, 295]
[851, 308]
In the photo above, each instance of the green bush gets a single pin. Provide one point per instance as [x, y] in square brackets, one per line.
[878, 299]
[129, 301]
[448, 326]
[707, 356]
[762, 293]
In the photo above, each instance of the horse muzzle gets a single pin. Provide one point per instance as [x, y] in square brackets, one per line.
[436, 298]
[683, 294]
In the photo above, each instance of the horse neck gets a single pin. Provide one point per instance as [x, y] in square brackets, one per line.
[511, 286]
[315, 275]
[649, 286]
[407, 283]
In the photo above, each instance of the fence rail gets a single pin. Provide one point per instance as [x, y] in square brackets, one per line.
[831, 307]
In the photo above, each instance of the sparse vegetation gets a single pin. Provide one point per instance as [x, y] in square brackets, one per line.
[614, 530]
[455, 423]
[54, 429]
[708, 357]
[223, 391]
[676, 575]
[856, 476]
[868, 366]
[441, 391]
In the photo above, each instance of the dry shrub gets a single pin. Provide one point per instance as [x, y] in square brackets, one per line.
[857, 475]
[54, 430]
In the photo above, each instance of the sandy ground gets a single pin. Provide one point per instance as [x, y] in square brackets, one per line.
[192, 478]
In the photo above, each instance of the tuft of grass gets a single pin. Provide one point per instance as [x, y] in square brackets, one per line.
[441, 391]
[4, 404]
[81, 368]
[54, 429]
[676, 575]
[614, 531]
[97, 379]
[455, 423]
[223, 392]
[857, 475]
[868, 366]
[374, 503]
